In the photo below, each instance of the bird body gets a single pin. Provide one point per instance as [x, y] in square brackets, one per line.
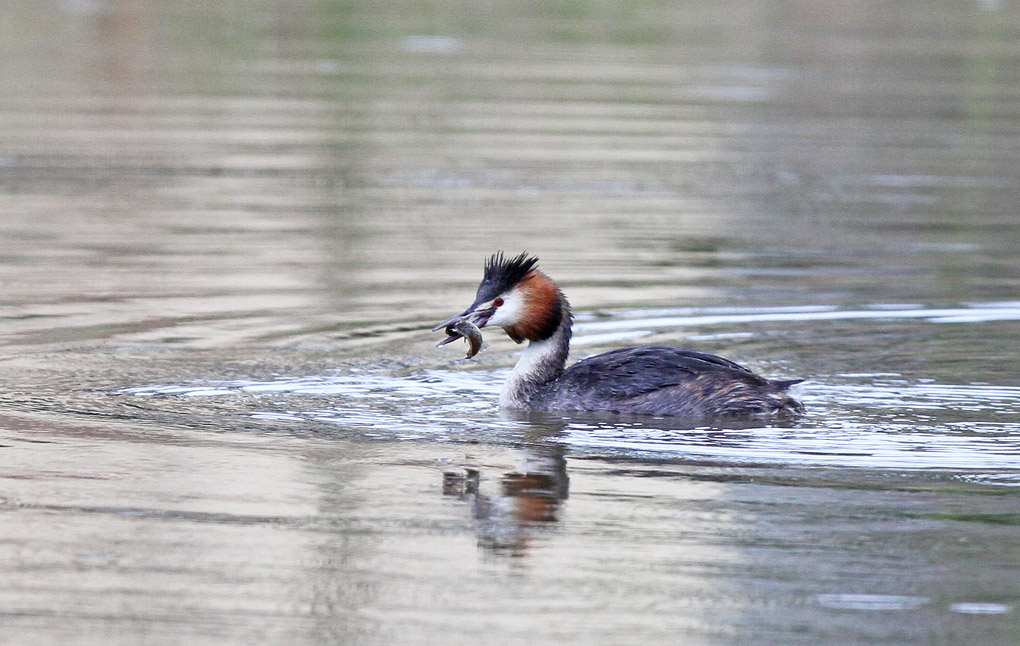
[642, 380]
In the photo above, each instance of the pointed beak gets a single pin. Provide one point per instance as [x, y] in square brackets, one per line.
[476, 316]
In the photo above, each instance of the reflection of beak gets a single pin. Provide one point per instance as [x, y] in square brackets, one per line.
[478, 317]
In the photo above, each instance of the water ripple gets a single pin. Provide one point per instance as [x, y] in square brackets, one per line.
[874, 420]
[1000, 311]
[887, 423]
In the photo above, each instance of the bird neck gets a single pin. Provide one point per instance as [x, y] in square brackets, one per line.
[542, 362]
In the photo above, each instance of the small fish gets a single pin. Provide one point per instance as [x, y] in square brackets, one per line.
[464, 329]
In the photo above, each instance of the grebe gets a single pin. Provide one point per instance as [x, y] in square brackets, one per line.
[643, 380]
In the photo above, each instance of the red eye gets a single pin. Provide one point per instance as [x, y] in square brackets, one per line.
[498, 302]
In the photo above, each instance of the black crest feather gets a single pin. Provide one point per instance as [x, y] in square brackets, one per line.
[502, 273]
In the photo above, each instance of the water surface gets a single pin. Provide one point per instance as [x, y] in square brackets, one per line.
[226, 232]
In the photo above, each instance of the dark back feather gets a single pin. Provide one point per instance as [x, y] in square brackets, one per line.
[666, 381]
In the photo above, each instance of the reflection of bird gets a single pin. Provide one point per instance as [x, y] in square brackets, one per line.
[527, 500]
[650, 380]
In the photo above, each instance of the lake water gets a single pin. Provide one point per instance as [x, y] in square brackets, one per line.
[226, 230]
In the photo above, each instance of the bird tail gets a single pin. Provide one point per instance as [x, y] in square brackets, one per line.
[785, 384]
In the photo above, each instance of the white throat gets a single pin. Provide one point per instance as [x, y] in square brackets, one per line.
[540, 363]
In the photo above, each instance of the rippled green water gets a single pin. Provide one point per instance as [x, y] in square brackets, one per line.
[226, 231]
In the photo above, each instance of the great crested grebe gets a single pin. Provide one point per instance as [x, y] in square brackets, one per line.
[642, 380]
